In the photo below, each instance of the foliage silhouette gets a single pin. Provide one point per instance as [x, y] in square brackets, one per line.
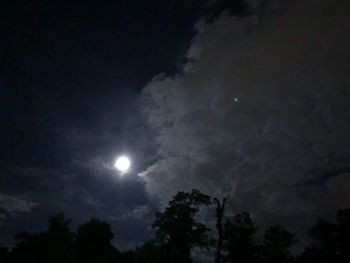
[178, 230]
[59, 239]
[150, 252]
[220, 209]
[93, 242]
[3, 254]
[55, 245]
[343, 220]
[276, 245]
[331, 240]
[239, 244]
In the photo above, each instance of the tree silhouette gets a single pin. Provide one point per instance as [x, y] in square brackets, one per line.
[276, 245]
[93, 242]
[55, 245]
[150, 252]
[239, 242]
[128, 257]
[3, 254]
[331, 240]
[177, 229]
[343, 220]
[324, 246]
[220, 209]
[26, 248]
[59, 239]
[29, 248]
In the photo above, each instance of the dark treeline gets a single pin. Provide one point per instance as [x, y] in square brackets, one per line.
[177, 233]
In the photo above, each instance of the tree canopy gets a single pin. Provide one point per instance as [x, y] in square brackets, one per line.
[178, 231]
[177, 228]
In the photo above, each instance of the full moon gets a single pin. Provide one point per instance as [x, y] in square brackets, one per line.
[122, 163]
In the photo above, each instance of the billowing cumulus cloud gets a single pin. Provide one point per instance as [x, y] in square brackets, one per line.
[260, 113]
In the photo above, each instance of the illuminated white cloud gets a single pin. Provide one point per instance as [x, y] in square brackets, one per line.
[273, 151]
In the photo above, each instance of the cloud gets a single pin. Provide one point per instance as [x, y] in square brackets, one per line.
[259, 113]
[80, 192]
[11, 205]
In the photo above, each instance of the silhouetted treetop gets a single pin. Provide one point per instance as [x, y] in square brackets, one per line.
[239, 240]
[93, 242]
[178, 232]
[177, 228]
[276, 244]
[331, 240]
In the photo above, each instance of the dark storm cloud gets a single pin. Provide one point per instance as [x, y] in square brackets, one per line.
[260, 113]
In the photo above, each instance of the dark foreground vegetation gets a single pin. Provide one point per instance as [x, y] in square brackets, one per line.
[178, 233]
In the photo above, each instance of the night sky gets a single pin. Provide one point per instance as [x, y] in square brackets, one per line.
[249, 101]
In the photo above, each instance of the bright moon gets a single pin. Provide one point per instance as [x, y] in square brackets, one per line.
[122, 163]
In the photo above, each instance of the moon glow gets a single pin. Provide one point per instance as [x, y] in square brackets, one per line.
[122, 163]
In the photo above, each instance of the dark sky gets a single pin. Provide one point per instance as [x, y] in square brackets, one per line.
[69, 65]
[250, 103]
[71, 76]
[66, 65]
